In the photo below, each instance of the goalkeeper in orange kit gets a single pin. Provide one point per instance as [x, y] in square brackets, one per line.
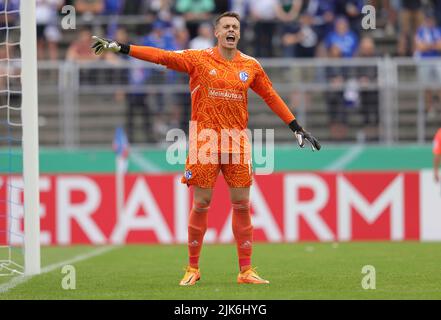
[219, 80]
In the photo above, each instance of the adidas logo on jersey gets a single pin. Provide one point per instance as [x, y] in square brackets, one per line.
[213, 72]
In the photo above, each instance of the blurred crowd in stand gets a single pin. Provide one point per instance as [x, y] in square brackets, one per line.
[270, 29]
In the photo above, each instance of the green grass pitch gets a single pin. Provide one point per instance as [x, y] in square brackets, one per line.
[406, 270]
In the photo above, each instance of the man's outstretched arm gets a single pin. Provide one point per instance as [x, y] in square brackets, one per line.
[176, 60]
[264, 88]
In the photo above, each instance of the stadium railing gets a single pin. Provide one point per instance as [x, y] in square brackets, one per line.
[82, 103]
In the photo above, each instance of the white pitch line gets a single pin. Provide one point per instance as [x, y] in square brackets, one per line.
[345, 159]
[22, 279]
[143, 163]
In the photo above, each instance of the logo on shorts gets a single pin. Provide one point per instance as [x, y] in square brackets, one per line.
[188, 174]
[243, 75]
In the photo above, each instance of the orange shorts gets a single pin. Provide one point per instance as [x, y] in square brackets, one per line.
[237, 175]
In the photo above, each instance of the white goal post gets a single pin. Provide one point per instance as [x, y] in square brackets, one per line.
[29, 115]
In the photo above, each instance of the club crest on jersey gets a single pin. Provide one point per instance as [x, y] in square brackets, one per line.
[243, 75]
[188, 174]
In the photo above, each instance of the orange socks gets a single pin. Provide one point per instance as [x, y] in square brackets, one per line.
[197, 226]
[242, 230]
[243, 233]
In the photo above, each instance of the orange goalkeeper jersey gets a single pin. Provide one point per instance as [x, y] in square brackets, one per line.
[219, 89]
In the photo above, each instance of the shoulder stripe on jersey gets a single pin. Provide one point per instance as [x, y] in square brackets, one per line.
[249, 57]
[195, 89]
[187, 50]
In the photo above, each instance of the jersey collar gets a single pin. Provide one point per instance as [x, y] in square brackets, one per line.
[218, 55]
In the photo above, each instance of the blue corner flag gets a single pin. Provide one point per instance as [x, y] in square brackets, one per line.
[121, 143]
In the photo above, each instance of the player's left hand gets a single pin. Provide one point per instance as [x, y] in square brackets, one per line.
[302, 136]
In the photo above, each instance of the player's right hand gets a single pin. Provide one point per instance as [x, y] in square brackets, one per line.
[102, 45]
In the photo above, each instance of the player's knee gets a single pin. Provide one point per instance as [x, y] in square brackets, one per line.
[240, 195]
[240, 198]
[202, 197]
[201, 206]
[241, 206]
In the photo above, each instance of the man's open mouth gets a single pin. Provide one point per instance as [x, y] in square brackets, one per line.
[231, 38]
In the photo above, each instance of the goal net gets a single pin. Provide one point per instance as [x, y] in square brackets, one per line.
[19, 216]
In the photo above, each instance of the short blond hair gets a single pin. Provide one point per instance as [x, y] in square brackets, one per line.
[226, 14]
